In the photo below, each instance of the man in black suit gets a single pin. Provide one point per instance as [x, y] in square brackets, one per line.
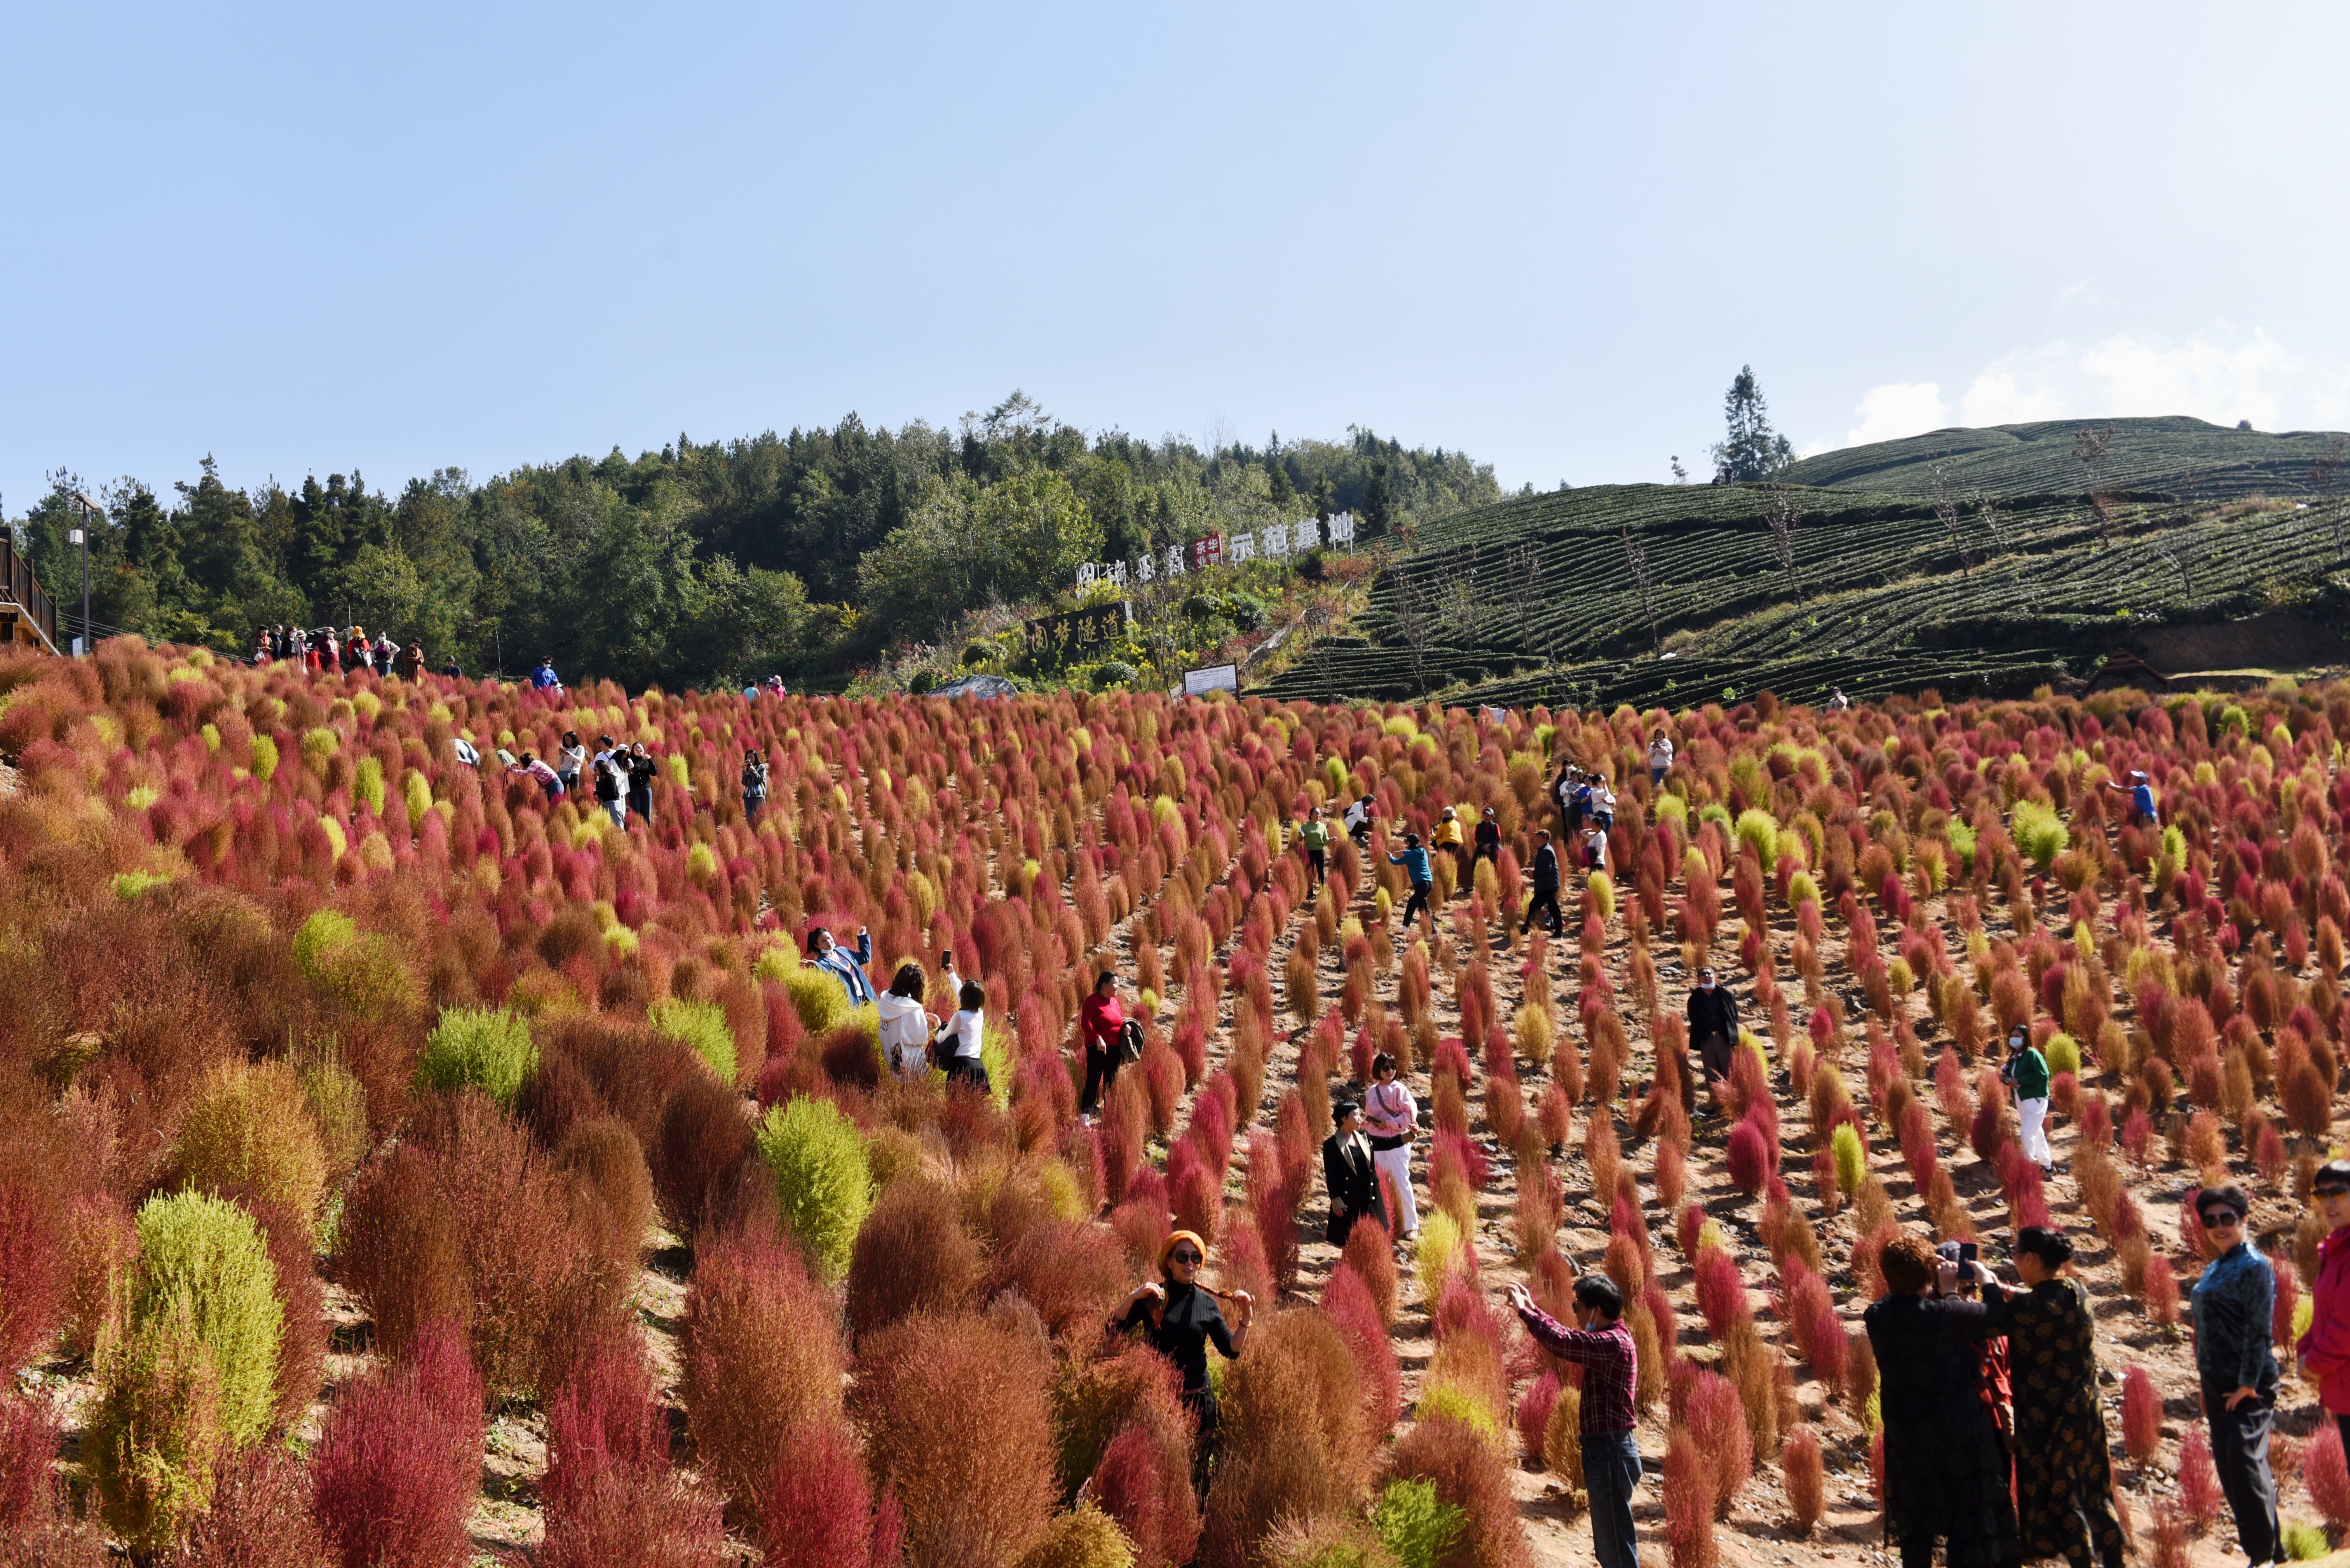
[1713, 1028]
[1346, 1171]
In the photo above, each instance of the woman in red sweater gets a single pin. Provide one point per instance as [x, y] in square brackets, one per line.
[2325, 1348]
[1101, 1027]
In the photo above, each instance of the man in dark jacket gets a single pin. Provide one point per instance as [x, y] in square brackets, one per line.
[1488, 840]
[1346, 1171]
[1545, 881]
[1712, 1028]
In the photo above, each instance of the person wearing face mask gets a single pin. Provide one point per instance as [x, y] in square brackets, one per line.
[2325, 1349]
[1713, 1028]
[2234, 1299]
[1602, 1346]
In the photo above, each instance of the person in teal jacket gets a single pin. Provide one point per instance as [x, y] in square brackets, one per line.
[1414, 861]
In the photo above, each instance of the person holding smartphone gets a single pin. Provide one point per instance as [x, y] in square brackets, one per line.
[1946, 1474]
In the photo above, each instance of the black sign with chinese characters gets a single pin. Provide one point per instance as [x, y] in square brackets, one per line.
[1078, 631]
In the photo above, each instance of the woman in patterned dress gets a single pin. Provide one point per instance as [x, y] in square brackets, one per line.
[2064, 1479]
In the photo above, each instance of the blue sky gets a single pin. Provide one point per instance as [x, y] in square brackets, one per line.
[307, 238]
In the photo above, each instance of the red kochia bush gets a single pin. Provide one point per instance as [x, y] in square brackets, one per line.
[1467, 1472]
[396, 1467]
[2326, 1475]
[2141, 1415]
[1144, 1481]
[818, 1508]
[761, 1358]
[1721, 1291]
[604, 1418]
[1805, 1477]
[1689, 1490]
[261, 1515]
[1534, 1407]
[1370, 1252]
[401, 1254]
[979, 1500]
[1718, 1420]
[911, 1255]
[1348, 1303]
[1749, 1158]
[34, 1275]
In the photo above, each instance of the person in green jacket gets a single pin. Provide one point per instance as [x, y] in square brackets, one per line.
[2027, 1070]
[1315, 834]
[1414, 860]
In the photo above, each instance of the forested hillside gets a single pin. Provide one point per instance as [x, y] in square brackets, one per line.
[706, 562]
[2174, 456]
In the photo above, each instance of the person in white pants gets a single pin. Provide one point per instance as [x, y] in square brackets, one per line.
[1392, 1118]
[2027, 1069]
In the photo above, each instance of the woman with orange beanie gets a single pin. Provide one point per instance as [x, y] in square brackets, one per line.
[1179, 1319]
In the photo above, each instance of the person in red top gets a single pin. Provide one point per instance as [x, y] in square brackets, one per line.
[1603, 1347]
[2325, 1349]
[1101, 1028]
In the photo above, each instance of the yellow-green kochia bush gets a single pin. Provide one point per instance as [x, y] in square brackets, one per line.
[194, 1378]
[823, 1178]
[703, 1026]
[488, 1049]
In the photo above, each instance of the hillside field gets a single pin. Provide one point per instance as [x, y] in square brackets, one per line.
[398, 1169]
[2154, 456]
[1533, 600]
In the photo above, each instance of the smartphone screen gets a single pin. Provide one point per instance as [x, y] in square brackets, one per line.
[1966, 1251]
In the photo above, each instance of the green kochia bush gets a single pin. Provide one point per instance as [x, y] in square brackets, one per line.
[486, 1049]
[209, 1252]
[193, 1379]
[2038, 832]
[823, 1178]
[703, 1026]
[1415, 1525]
[818, 997]
[358, 969]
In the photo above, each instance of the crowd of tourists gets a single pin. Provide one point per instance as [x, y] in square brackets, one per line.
[348, 651]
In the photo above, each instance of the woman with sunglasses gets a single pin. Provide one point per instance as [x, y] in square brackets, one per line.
[1180, 1318]
[2232, 1303]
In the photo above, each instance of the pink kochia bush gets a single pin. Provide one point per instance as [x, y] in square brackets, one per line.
[610, 1497]
[395, 1470]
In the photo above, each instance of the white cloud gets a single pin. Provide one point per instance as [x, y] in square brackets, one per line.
[1898, 408]
[2220, 375]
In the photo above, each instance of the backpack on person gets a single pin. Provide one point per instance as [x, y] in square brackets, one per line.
[1130, 1041]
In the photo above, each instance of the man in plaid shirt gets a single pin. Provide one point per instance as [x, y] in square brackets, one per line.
[1611, 1458]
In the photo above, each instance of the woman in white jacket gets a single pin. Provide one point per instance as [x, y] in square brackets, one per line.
[905, 1027]
[962, 1039]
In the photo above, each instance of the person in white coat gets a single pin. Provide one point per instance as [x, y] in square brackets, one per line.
[905, 1027]
[962, 1039]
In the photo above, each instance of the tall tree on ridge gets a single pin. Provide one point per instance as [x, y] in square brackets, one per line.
[1751, 450]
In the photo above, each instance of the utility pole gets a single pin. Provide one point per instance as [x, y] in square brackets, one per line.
[91, 511]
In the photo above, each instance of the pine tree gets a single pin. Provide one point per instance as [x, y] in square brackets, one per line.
[1753, 450]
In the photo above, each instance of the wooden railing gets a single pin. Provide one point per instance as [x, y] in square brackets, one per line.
[21, 593]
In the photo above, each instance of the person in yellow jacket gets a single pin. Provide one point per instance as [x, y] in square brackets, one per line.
[1449, 837]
